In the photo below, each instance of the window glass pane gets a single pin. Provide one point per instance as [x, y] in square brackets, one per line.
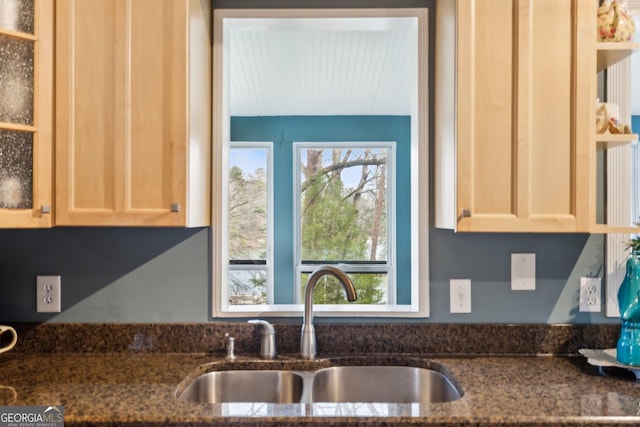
[16, 169]
[16, 80]
[371, 288]
[343, 204]
[17, 15]
[247, 287]
[248, 204]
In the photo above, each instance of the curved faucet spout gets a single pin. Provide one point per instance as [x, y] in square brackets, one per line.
[308, 335]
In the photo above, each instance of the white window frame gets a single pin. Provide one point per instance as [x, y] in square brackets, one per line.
[268, 267]
[389, 266]
[420, 298]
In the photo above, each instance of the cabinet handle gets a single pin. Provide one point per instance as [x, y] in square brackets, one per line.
[175, 207]
[45, 209]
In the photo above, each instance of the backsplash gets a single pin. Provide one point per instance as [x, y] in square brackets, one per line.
[425, 339]
[135, 275]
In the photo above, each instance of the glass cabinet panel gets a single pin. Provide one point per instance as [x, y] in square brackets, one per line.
[17, 15]
[16, 169]
[16, 80]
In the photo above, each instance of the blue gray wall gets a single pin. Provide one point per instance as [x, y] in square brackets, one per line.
[163, 275]
[282, 131]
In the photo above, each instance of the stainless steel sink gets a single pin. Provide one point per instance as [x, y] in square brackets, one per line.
[244, 386]
[366, 384]
[391, 384]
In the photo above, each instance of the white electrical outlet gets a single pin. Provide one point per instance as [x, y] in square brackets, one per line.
[460, 295]
[590, 294]
[523, 272]
[48, 294]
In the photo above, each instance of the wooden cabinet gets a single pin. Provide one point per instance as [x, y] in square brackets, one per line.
[133, 112]
[26, 104]
[514, 84]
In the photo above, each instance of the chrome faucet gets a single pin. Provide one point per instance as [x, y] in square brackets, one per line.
[308, 335]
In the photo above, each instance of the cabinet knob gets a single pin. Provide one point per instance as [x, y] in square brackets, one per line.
[175, 207]
[45, 209]
[466, 213]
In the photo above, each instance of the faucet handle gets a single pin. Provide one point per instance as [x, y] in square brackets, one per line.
[268, 342]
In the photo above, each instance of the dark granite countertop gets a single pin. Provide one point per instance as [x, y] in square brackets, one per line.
[139, 389]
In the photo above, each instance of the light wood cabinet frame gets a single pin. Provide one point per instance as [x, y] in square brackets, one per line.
[513, 124]
[133, 108]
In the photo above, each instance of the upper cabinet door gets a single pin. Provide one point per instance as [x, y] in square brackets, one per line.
[26, 104]
[133, 112]
[522, 94]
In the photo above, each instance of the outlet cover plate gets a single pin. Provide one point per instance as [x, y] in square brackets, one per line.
[48, 294]
[590, 294]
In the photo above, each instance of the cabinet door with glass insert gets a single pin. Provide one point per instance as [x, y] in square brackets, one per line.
[26, 81]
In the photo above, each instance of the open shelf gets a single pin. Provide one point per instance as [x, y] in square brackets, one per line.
[607, 140]
[613, 229]
[611, 52]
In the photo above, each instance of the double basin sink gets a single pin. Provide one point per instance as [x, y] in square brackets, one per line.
[337, 384]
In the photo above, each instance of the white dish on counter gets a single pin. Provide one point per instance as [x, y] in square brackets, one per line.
[607, 358]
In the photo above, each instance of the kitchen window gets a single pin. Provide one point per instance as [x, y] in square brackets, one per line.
[249, 218]
[320, 153]
[342, 213]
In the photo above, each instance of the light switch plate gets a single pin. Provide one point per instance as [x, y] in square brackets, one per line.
[523, 272]
[460, 295]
